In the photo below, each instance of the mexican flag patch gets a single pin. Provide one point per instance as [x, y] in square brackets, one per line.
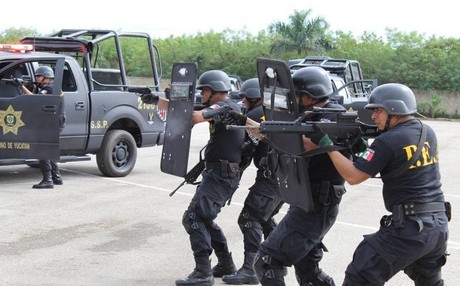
[367, 155]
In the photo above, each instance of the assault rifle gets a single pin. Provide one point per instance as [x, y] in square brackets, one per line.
[145, 93]
[17, 82]
[193, 174]
[346, 128]
[140, 89]
[345, 131]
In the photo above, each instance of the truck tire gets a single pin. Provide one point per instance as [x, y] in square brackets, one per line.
[118, 154]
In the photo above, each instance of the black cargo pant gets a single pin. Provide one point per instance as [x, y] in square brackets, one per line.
[51, 165]
[418, 248]
[256, 221]
[48, 166]
[198, 220]
[297, 239]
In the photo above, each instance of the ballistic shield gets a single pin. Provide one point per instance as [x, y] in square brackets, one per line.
[280, 105]
[178, 130]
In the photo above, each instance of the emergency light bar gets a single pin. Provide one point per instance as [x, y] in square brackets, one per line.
[17, 48]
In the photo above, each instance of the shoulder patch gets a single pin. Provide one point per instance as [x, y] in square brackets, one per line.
[367, 154]
[214, 106]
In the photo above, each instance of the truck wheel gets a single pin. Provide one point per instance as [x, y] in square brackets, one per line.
[118, 154]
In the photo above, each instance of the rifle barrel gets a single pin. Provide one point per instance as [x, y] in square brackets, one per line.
[239, 127]
[178, 187]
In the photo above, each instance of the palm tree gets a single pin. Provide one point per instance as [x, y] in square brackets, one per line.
[300, 34]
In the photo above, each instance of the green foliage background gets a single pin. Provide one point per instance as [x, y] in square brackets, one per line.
[421, 62]
[428, 63]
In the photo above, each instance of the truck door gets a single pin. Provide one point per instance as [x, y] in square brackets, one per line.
[77, 108]
[29, 124]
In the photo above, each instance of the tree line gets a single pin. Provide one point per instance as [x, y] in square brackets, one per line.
[419, 61]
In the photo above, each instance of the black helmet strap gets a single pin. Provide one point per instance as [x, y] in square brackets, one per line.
[387, 123]
[210, 98]
[253, 102]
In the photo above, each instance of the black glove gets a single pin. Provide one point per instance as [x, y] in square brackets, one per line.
[149, 98]
[319, 137]
[234, 118]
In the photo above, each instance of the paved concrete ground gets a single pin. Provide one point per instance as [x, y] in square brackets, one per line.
[95, 230]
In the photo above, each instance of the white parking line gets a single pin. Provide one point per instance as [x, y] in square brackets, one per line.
[452, 245]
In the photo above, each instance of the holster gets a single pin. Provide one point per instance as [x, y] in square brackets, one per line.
[227, 169]
[448, 210]
[330, 194]
[398, 218]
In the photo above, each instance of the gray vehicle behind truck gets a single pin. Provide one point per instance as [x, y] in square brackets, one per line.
[93, 74]
[350, 87]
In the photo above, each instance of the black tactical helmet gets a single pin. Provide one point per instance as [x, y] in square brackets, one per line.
[45, 71]
[216, 80]
[250, 88]
[394, 98]
[313, 80]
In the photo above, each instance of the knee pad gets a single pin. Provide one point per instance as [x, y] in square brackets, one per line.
[190, 222]
[269, 270]
[422, 280]
[434, 280]
[247, 221]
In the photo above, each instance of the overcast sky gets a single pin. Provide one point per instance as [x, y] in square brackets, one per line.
[187, 17]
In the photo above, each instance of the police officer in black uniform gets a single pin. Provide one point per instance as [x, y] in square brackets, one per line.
[220, 179]
[414, 237]
[263, 200]
[297, 239]
[44, 76]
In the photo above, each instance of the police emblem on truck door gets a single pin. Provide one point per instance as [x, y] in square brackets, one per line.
[10, 120]
[29, 133]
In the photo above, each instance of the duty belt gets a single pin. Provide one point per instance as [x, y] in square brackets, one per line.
[412, 209]
[407, 209]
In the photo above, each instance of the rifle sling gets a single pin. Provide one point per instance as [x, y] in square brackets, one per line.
[321, 150]
[412, 160]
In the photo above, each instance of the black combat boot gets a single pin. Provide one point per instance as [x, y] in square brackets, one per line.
[46, 183]
[57, 179]
[225, 265]
[201, 275]
[244, 275]
[316, 277]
